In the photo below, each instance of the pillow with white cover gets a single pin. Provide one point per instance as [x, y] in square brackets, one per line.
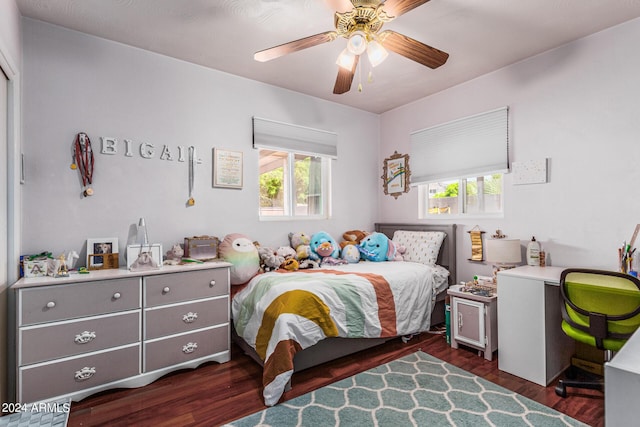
[421, 246]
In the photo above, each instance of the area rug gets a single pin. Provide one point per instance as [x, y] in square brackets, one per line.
[416, 390]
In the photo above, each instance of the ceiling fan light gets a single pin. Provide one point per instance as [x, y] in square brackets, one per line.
[376, 53]
[357, 43]
[346, 59]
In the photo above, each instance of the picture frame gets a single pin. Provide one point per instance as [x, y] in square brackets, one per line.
[395, 175]
[227, 168]
[102, 253]
[134, 251]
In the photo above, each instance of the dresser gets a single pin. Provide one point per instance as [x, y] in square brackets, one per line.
[82, 334]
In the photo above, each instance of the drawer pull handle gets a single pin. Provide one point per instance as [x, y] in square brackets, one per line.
[117, 295]
[51, 304]
[166, 290]
[460, 322]
[85, 373]
[189, 348]
[212, 283]
[85, 337]
[189, 317]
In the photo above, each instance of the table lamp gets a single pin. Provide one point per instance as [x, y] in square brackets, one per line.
[503, 253]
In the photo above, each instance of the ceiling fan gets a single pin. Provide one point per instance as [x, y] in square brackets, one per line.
[359, 21]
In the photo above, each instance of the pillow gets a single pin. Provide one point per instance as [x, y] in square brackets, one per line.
[420, 246]
[240, 251]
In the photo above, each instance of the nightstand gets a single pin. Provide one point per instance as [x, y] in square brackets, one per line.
[474, 321]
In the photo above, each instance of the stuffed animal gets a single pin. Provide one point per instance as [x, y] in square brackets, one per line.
[377, 247]
[307, 263]
[323, 241]
[351, 254]
[352, 237]
[174, 255]
[286, 252]
[299, 241]
[269, 260]
[240, 251]
[290, 264]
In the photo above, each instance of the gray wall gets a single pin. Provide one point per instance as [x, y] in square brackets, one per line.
[576, 105]
[74, 82]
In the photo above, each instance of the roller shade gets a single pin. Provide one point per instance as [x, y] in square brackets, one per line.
[472, 146]
[299, 139]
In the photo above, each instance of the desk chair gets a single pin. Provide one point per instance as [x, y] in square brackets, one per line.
[601, 309]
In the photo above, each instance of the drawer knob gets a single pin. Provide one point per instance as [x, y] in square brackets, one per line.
[190, 347]
[117, 295]
[85, 337]
[189, 317]
[166, 290]
[85, 373]
[213, 283]
[51, 304]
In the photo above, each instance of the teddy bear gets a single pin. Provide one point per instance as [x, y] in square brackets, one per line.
[353, 237]
[300, 242]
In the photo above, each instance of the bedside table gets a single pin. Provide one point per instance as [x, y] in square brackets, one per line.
[474, 321]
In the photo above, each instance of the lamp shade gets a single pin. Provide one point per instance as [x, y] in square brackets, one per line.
[503, 251]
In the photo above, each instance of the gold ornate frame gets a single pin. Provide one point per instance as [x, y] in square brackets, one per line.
[396, 173]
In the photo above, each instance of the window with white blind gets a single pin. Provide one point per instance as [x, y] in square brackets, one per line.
[294, 169]
[458, 166]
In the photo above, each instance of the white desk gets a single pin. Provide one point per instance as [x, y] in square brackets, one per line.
[622, 385]
[531, 343]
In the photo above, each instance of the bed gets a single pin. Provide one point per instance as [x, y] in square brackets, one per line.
[290, 321]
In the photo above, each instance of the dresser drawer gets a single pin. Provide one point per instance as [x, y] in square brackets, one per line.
[175, 319]
[183, 348]
[72, 375]
[60, 302]
[47, 342]
[177, 287]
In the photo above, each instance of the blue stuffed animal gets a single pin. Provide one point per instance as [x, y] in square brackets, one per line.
[377, 247]
[323, 245]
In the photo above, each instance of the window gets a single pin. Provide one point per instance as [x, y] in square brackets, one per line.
[292, 184]
[295, 169]
[458, 166]
[476, 196]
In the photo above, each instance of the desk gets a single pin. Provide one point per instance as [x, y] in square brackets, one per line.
[622, 385]
[531, 343]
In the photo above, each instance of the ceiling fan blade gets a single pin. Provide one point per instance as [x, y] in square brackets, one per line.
[339, 5]
[294, 46]
[345, 78]
[395, 8]
[412, 49]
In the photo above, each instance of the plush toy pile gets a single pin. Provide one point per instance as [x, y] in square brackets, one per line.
[305, 251]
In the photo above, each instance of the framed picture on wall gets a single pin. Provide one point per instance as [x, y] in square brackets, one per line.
[396, 174]
[227, 168]
[102, 253]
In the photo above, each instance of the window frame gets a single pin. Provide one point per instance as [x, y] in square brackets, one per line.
[290, 191]
[423, 200]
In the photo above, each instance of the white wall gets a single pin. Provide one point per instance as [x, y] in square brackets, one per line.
[577, 105]
[74, 82]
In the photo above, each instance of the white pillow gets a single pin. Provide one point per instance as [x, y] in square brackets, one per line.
[421, 246]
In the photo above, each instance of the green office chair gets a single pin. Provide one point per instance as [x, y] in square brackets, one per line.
[601, 309]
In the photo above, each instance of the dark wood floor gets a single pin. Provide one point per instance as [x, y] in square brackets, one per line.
[218, 393]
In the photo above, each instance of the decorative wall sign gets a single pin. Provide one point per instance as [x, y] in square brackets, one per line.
[396, 174]
[227, 168]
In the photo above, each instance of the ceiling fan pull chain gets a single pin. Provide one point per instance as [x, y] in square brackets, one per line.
[360, 78]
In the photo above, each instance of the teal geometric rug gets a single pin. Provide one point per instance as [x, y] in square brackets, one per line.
[416, 390]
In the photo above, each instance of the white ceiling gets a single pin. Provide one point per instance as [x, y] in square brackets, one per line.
[480, 36]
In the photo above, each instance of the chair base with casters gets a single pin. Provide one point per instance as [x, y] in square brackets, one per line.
[601, 309]
[595, 382]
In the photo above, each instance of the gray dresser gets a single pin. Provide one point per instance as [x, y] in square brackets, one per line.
[83, 334]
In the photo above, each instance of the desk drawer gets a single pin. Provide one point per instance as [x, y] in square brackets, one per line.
[191, 285]
[72, 375]
[184, 348]
[60, 302]
[186, 317]
[47, 342]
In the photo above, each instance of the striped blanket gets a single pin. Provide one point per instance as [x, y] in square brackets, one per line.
[281, 313]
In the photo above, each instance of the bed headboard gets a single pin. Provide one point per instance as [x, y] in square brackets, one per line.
[447, 256]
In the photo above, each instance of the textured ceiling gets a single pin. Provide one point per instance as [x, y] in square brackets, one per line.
[480, 35]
